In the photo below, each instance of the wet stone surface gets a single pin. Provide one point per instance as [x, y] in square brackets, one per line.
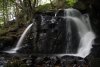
[43, 61]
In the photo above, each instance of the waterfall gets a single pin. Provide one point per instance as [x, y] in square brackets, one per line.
[69, 33]
[84, 30]
[20, 41]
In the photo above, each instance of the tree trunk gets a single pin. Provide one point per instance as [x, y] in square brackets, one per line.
[4, 12]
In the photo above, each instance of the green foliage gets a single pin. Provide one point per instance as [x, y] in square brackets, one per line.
[5, 8]
[3, 31]
[70, 3]
[43, 7]
[1, 22]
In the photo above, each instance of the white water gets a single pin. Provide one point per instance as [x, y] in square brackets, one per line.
[20, 41]
[84, 30]
[86, 44]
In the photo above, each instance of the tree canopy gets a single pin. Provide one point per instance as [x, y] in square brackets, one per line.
[23, 10]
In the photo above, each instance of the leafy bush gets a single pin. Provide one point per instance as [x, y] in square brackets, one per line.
[70, 3]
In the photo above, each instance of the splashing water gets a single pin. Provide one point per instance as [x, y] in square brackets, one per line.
[85, 44]
[74, 19]
[20, 41]
[84, 30]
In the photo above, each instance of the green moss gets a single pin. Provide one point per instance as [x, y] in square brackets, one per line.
[70, 3]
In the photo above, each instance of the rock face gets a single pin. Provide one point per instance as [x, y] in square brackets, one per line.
[49, 36]
[52, 34]
[44, 61]
[6, 42]
[95, 22]
[83, 5]
[95, 16]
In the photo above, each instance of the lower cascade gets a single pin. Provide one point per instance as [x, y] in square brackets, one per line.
[85, 32]
[20, 41]
[67, 34]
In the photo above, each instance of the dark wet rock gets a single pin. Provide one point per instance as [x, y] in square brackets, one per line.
[83, 5]
[7, 42]
[95, 15]
[97, 40]
[48, 13]
[46, 61]
[60, 13]
[96, 50]
[95, 62]
[96, 47]
[51, 33]
[26, 49]
[2, 61]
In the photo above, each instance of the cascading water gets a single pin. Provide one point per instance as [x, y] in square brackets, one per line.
[20, 41]
[76, 28]
[85, 32]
